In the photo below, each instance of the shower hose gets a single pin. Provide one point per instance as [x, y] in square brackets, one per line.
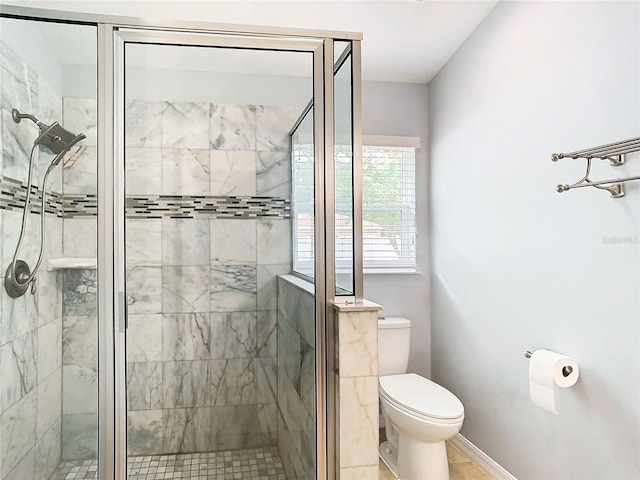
[22, 282]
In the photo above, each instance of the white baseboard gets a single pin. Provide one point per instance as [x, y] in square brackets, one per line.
[481, 459]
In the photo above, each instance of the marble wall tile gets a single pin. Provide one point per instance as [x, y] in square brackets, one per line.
[272, 128]
[185, 289]
[267, 379]
[18, 434]
[19, 371]
[232, 172]
[49, 296]
[185, 171]
[268, 420]
[232, 127]
[289, 352]
[16, 146]
[233, 335]
[144, 290]
[233, 288]
[274, 242]
[185, 125]
[80, 340]
[266, 284]
[233, 381]
[80, 237]
[79, 295]
[358, 406]
[25, 469]
[273, 174]
[143, 124]
[54, 226]
[144, 385]
[144, 432]
[266, 334]
[236, 426]
[144, 242]
[81, 116]
[308, 377]
[186, 429]
[49, 103]
[358, 344]
[20, 317]
[143, 171]
[11, 222]
[48, 450]
[49, 338]
[185, 384]
[307, 320]
[79, 436]
[186, 336]
[49, 401]
[296, 382]
[185, 241]
[144, 338]
[233, 242]
[18, 82]
[79, 389]
[80, 170]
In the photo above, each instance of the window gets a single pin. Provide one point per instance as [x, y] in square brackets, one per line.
[388, 210]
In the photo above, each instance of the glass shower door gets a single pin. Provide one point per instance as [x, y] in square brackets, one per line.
[48, 219]
[213, 364]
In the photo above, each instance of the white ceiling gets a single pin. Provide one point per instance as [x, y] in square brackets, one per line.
[403, 40]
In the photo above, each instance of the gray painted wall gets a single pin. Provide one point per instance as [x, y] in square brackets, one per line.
[517, 266]
[401, 109]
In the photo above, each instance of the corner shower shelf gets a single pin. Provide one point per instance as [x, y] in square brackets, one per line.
[71, 263]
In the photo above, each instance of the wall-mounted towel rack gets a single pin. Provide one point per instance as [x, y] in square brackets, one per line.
[615, 153]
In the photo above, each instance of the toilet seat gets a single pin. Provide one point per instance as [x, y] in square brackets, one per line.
[420, 397]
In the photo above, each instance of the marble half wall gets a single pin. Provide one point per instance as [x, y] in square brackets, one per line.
[296, 371]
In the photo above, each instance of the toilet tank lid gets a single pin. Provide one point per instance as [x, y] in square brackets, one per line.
[393, 322]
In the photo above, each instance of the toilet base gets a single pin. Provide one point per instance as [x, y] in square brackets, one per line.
[418, 460]
[389, 456]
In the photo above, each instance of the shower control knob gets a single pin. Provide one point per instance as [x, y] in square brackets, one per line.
[34, 289]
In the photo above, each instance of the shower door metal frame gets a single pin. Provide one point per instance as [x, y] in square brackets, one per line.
[112, 420]
[318, 48]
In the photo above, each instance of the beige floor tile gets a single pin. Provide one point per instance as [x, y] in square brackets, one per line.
[454, 455]
[466, 471]
[460, 467]
[385, 473]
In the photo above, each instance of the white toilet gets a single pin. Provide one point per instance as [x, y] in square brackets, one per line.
[419, 414]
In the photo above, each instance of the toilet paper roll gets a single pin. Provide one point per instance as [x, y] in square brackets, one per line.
[547, 369]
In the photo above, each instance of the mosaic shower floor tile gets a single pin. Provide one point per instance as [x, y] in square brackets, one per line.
[253, 464]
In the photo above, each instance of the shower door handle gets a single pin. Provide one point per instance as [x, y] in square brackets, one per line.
[122, 313]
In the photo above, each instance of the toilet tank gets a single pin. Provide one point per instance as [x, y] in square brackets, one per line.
[394, 338]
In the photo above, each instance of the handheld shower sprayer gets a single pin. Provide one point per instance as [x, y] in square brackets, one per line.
[58, 141]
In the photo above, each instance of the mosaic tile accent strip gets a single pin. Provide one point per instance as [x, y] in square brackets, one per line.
[13, 196]
[190, 206]
[253, 464]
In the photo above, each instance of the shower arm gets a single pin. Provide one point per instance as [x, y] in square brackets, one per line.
[17, 117]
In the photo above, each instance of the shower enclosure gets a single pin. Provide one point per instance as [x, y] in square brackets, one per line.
[198, 229]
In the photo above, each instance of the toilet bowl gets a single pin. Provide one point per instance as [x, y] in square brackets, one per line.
[419, 416]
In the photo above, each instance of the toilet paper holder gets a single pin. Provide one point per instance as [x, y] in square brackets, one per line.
[566, 371]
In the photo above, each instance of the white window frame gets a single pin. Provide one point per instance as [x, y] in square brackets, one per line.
[392, 267]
